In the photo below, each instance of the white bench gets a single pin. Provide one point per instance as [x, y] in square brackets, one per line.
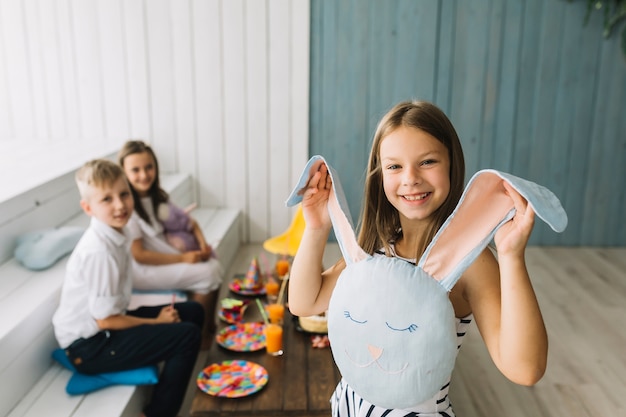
[32, 384]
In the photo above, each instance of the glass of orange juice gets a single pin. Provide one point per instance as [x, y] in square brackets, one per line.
[273, 339]
[282, 267]
[276, 313]
[271, 289]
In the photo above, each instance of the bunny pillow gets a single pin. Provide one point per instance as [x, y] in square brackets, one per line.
[391, 324]
[177, 226]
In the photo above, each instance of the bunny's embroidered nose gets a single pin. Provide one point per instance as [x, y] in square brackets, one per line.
[375, 352]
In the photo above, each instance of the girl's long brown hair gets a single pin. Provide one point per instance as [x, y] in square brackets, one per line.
[379, 220]
[156, 193]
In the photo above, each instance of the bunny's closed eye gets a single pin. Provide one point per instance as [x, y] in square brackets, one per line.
[411, 328]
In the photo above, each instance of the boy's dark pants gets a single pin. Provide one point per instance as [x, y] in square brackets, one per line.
[175, 344]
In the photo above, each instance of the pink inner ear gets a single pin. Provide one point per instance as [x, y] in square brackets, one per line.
[484, 206]
[344, 230]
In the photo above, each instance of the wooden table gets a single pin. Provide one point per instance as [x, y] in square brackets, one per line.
[300, 383]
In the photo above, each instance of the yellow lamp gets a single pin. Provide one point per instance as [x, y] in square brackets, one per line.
[288, 242]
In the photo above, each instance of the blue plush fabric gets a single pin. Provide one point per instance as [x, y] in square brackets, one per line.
[43, 248]
[83, 384]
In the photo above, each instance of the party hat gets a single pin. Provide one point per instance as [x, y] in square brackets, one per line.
[253, 279]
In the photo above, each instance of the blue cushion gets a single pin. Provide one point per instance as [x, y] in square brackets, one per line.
[42, 248]
[83, 384]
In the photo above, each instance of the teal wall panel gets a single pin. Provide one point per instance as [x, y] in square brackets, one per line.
[541, 97]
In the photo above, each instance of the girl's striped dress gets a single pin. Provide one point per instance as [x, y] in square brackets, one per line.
[347, 403]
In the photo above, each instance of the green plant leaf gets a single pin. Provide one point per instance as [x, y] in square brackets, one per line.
[618, 14]
[614, 12]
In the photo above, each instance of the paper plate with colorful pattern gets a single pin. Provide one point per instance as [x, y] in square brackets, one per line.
[242, 337]
[232, 378]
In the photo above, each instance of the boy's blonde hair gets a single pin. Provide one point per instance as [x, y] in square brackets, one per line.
[97, 173]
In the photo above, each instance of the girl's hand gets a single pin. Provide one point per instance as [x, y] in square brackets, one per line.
[168, 314]
[206, 252]
[192, 257]
[315, 198]
[513, 236]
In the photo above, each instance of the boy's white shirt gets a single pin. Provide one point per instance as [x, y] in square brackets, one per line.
[98, 283]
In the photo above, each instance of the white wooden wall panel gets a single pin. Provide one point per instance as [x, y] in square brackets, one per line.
[235, 153]
[257, 115]
[51, 62]
[68, 72]
[89, 69]
[280, 109]
[137, 80]
[112, 53]
[18, 83]
[219, 88]
[161, 72]
[184, 86]
[208, 37]
[299, 72]
[5, 119]
[37, 68]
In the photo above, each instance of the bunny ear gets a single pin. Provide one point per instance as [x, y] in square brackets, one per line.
[482, 209]
[337, 208]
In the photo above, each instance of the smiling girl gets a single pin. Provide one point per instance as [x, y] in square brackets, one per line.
[414, 180]
[158, 265]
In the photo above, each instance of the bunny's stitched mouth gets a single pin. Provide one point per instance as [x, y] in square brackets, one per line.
[375, 362]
